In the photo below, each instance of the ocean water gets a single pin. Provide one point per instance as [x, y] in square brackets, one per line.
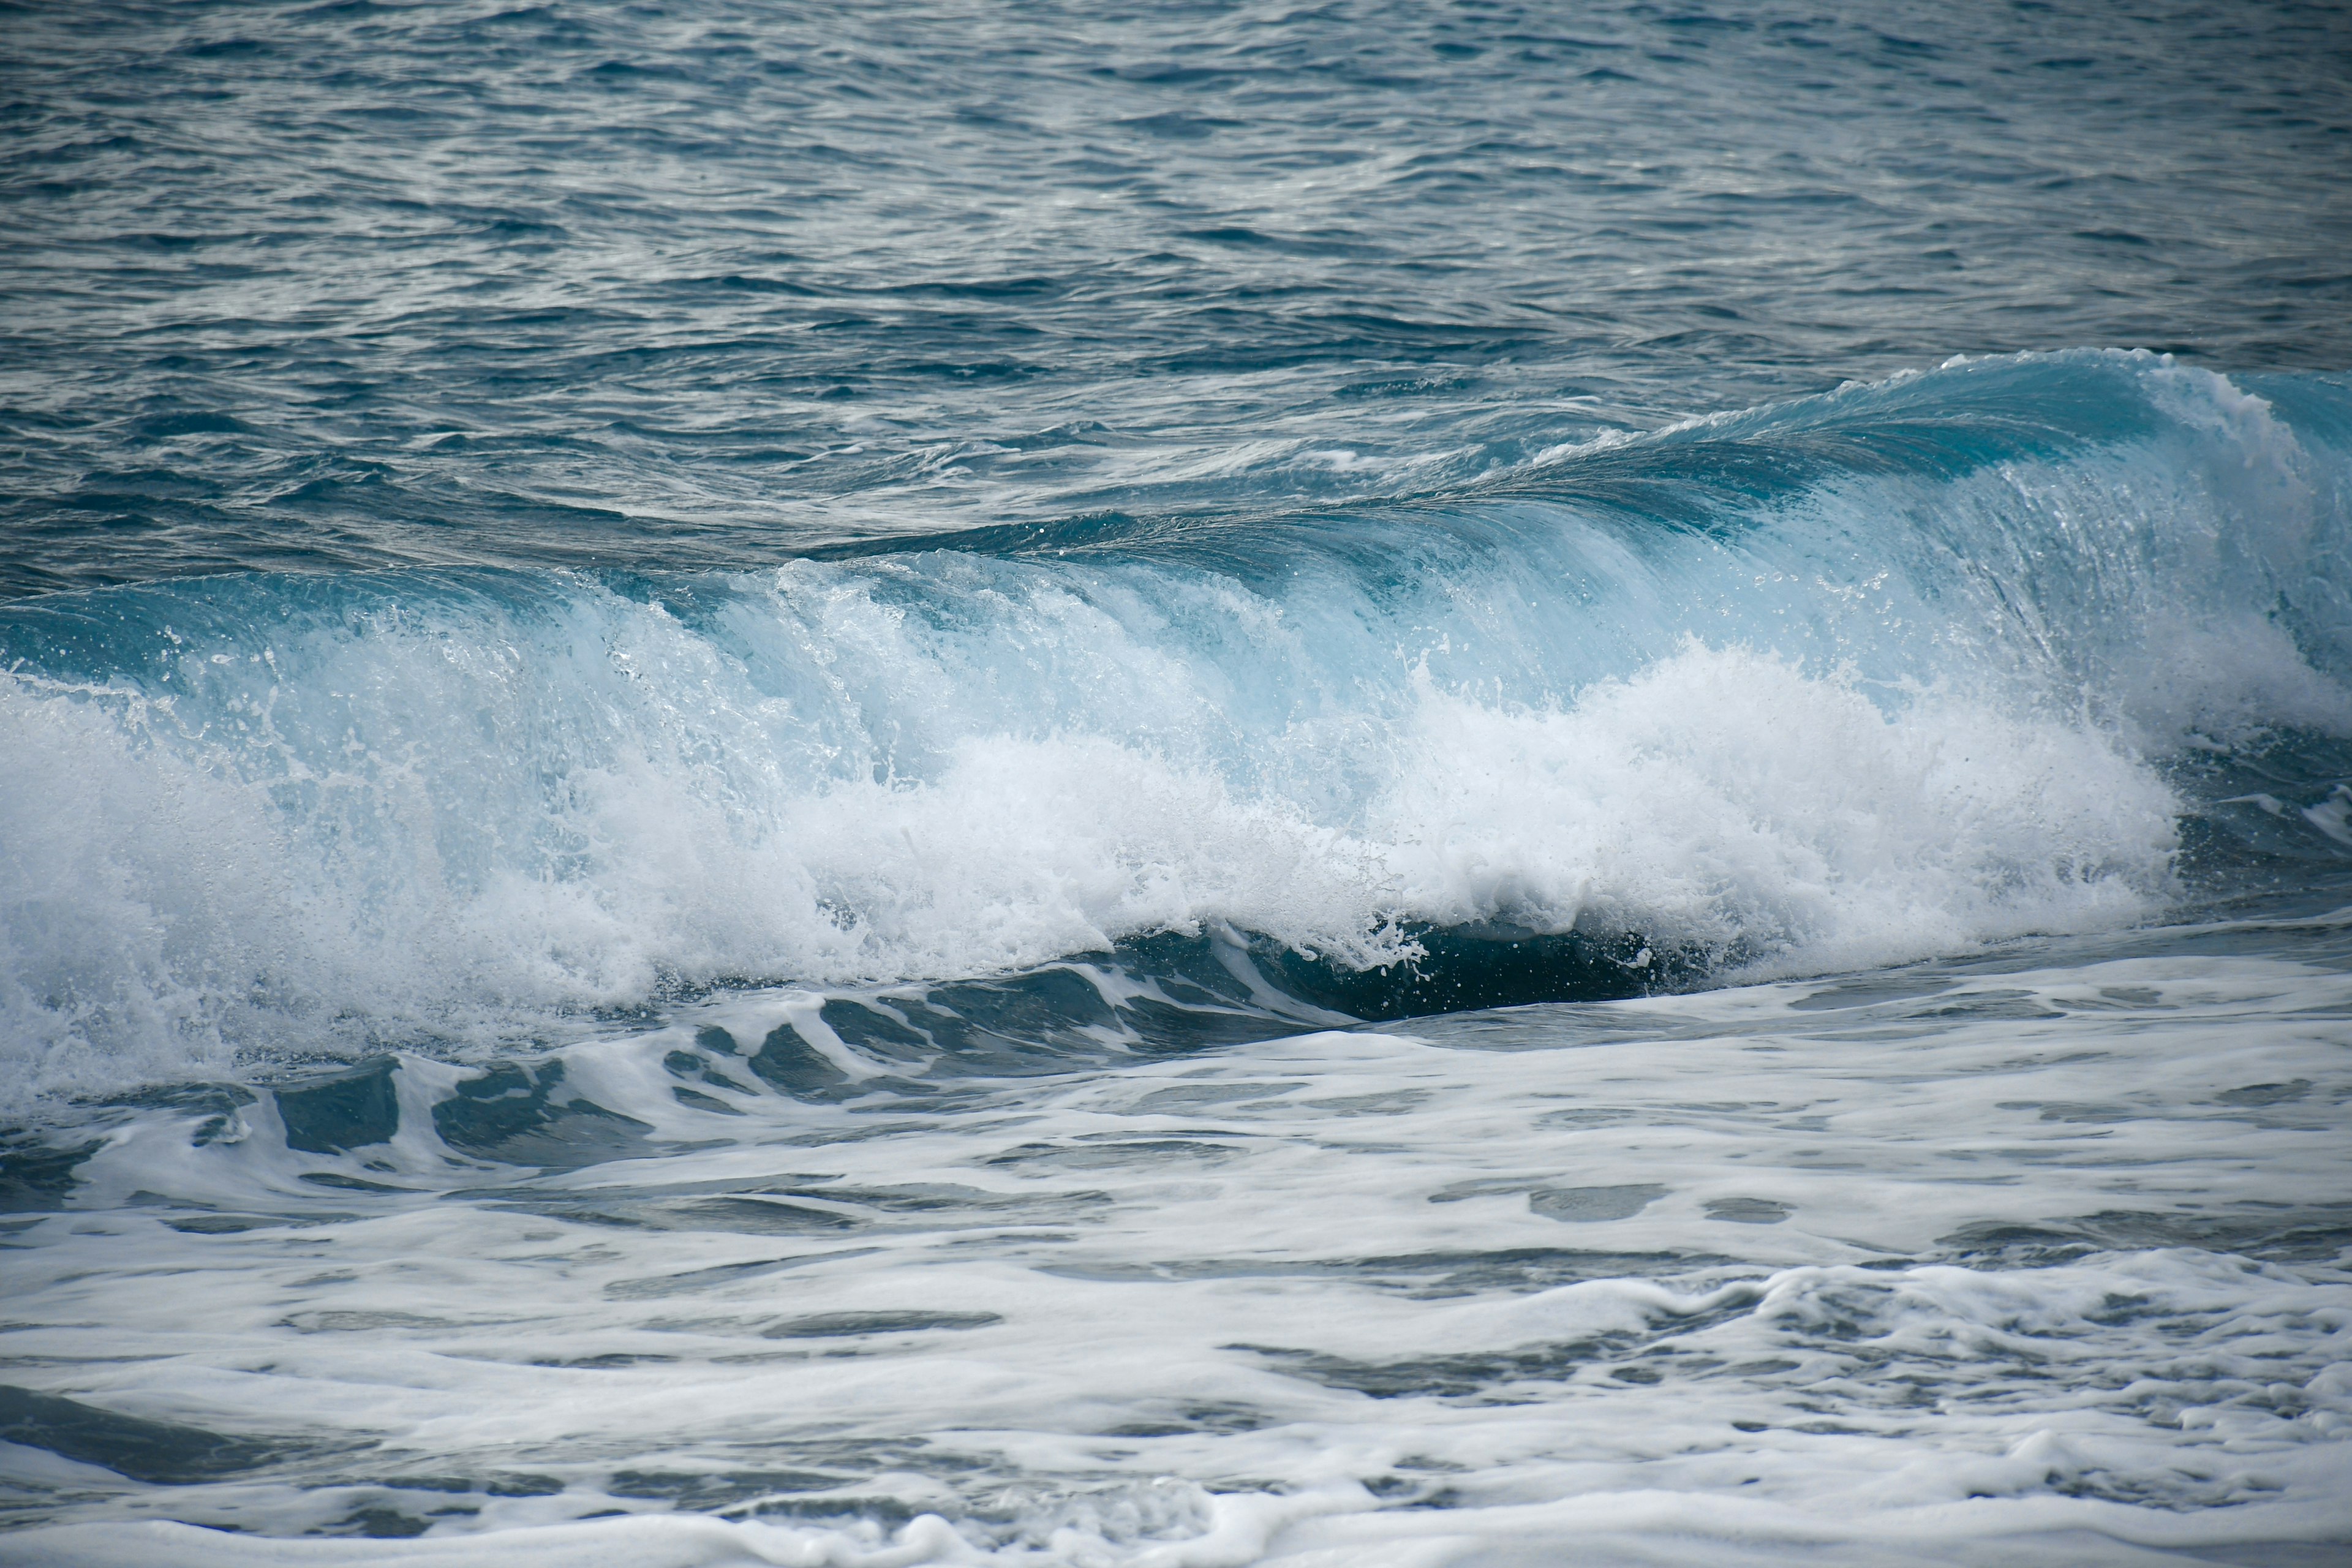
[1175, 786]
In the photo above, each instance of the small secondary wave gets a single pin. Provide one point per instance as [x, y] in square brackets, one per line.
[2014, 646]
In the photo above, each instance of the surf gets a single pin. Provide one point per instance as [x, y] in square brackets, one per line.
[2044, 645]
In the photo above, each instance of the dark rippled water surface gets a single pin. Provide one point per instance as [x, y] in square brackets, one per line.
[1175, 786]
[312, 285]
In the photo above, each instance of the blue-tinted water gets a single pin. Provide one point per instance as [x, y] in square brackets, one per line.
[1204, 784]
[305, 286]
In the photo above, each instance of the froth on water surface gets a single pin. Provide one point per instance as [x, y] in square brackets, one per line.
[2033, 1256]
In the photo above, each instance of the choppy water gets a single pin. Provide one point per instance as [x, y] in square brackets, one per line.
[1224, 785]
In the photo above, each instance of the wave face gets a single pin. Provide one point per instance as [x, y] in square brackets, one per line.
[2039, 644]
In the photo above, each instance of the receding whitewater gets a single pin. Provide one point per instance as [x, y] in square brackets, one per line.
[1352, 786]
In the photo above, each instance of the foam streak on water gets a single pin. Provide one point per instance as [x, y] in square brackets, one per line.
[2039, 1258]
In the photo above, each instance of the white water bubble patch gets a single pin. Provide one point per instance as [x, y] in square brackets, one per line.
[209, 890]
[1943, 1262]
[1727, 798]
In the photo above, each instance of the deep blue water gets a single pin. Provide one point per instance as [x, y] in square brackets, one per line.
[310, 286]
[1306, 722]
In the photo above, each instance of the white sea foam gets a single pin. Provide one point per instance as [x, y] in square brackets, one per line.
[2035, 1260]
[1726, 797]
[169, 903]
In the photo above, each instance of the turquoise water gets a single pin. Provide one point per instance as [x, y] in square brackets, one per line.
[1205, 785]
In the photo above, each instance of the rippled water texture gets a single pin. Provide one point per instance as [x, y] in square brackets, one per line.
[332, 284]
[1175, 787]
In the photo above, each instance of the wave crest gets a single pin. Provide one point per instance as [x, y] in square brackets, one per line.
[1937, 702]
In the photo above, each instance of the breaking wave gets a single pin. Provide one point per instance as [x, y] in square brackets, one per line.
[2032, 645]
